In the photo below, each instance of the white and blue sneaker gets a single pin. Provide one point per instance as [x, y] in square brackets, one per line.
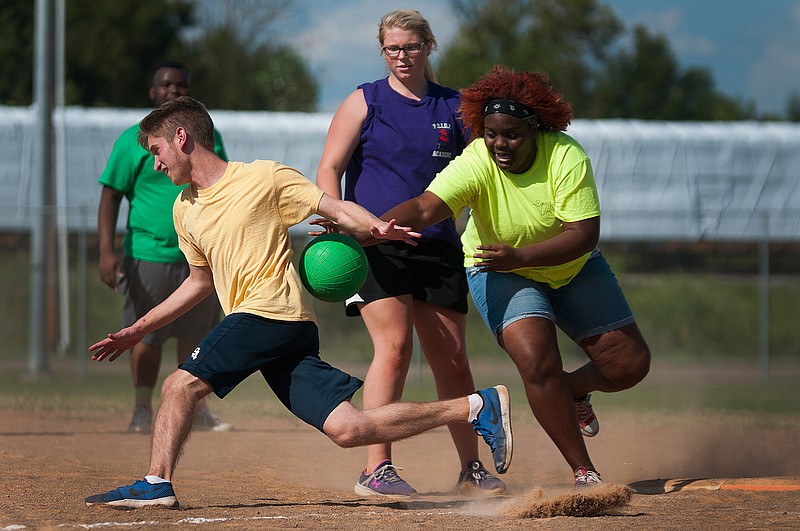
[140, 494]
[494, 425]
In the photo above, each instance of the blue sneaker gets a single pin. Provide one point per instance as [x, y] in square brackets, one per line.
[139, 494]
[384, 481]
[476, 481]
[494, 425]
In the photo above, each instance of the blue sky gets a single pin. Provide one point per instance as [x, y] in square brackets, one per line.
[752, 48]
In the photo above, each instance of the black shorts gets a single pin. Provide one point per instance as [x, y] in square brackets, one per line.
[433, 272]
[287, 355]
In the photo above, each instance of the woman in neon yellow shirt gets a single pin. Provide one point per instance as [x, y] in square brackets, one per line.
[530, 253]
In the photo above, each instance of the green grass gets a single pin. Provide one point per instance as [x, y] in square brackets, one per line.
[677, 389]
[692, 316]
[701, 326]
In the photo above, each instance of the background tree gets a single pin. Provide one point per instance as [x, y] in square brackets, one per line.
[568, 39]
[793, 107]
[236, 64]
[581, 45]
[16, 52]
[646, 82]
[112, 48]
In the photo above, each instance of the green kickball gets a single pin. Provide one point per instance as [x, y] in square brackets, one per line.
[333, 267]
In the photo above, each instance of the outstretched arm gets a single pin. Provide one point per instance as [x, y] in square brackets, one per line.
[361, 224]
[420, 212]
[194, 289]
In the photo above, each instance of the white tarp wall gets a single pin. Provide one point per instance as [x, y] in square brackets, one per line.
[682, 181]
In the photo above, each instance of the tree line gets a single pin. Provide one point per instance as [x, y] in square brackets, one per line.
[602, 68]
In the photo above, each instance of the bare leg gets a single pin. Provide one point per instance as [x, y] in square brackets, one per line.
[173, 422]
[348, 427]
[389, 323]
[182, 352]
[619, 360]
[145, 363]
[442, 335]
[532, 345]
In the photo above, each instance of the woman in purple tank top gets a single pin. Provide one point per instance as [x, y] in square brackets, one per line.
[391, 137]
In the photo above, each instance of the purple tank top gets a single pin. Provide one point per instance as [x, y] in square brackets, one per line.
[403, 145]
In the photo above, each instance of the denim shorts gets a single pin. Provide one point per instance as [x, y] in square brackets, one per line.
[287, 355]
[590, 305]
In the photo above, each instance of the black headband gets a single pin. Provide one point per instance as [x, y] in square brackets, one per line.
[512, 108]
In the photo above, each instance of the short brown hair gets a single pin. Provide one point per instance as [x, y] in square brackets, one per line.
[184, 112]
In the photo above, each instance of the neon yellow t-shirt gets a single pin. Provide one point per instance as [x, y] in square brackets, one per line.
[522, 209]
[239, 227]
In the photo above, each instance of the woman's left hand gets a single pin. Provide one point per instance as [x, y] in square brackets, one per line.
[497, 257]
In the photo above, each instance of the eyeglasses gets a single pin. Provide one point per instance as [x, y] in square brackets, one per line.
[411, 50]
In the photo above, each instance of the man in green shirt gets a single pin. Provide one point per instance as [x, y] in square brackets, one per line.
[153, 265]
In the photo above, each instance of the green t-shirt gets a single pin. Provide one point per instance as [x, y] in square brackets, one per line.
[522, 209]
[150, 234]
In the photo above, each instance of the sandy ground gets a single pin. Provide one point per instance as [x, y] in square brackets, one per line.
[683, 472]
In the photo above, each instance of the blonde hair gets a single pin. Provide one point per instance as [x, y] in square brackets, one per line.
[410, 20]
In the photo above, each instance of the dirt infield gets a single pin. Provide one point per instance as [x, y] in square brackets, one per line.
[683, 471]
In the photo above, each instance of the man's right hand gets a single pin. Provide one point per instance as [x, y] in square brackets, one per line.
[110, 270]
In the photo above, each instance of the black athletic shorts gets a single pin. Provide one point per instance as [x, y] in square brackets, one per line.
[287, 355]
[433, 272]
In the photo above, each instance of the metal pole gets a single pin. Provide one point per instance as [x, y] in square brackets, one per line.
[82, 294]
[64, 336]
[42, 158]
[763, 300]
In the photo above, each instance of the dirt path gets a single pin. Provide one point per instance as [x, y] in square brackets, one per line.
[278, 473]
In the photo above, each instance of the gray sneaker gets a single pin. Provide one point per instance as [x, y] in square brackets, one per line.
[384, 481]
[477, 481]
[205, 420]
[142, 420]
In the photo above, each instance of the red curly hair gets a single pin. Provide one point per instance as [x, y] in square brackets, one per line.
[529, 88]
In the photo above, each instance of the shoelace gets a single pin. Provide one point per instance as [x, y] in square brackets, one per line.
[584, 409]
[388, 474]
[486, 432]
[478, 475]
[587, 477]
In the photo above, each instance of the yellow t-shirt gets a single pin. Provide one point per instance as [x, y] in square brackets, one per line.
[522, 209]
[239, 228]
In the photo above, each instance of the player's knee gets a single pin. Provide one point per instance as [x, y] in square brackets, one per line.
[342, 434]
[181, 383]
[344, 426]
[635, 370]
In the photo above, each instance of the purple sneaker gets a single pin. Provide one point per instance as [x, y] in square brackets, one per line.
[476, 481]
[384, 481]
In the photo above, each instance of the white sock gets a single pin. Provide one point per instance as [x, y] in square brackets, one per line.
[155, 479]
[475, 405]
